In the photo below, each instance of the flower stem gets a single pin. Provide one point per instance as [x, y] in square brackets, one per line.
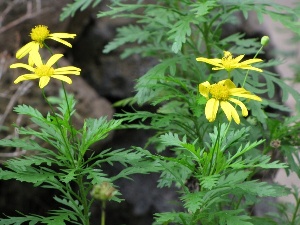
[248, 70]
[83, 200]
[60, 128]
[296, 211]
[103, 212]
[69, 111]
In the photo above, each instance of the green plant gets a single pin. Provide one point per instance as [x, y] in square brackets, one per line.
[59, 156]
[219, 130]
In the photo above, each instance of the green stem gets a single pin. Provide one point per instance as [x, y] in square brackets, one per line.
[60, 128]
[69, 111]
[248, 70]
[103, 208]
[83, 200]
[215, 154]
[295, 212]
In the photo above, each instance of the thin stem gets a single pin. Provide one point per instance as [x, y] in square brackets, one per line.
[59, 127]
[215, 154]
[295, 212]
[83, 200]
[248, 70]
[69, 110]
[103, 208]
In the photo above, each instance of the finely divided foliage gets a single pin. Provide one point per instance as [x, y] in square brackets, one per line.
[215, 164]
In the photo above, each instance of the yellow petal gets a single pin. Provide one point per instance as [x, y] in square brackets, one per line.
[215, 62]
[235, 115]
[238, 58]
[26, 49]
[66, 72]
[229, 84]
[26, 77]
[61, 41]
[241, 105]
[241, 92]
[30, 60]
[225, 106]
[22, 65]
[219, 68]
[250, 61]
[248, 67]
[230, 111]
[68, 68]
[204, 88]
[53, 59]
[63, 78]
[211, 109]
[44, 80]
[249, 96]
[36, 58]
[62, 35]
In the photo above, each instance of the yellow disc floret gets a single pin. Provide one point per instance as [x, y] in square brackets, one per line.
[44, 70]
[220, 92]
[39, 34]
[227, 60]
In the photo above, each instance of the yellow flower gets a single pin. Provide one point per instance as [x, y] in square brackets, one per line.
[229, 63]
[38, 35]
[221, 94]
[45, 71]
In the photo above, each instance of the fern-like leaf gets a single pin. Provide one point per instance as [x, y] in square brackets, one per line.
[72, 8]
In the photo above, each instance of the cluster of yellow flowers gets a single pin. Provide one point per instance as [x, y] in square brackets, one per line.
[35, 65]
[219, 94]
[222, 93]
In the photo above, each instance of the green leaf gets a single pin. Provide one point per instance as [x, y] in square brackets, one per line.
[261, 189]
[72, 8]
[146, 85]
[209, 182]
[24, 144]
[28, 110]
[229, 218]
[31, 220]
[172, 218]
[119, 10]
[203, 8]
[127, 34]
[96, 176]
[180, 31]
[30, 175]
[95, 130]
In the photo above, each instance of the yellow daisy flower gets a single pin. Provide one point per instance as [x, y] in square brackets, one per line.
[38, 35]
[229, 63]
[45, 71]
[221, 94]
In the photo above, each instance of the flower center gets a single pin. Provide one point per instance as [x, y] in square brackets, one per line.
[227, 60]
[39, 33]
[219, 92]
[44, 70]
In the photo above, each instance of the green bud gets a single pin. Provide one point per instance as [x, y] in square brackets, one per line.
[264, 40]
[103, 191]
[252, 120]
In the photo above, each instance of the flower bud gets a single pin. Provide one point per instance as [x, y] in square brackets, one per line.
[264, 40]
[276, 143]
[104, 191]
